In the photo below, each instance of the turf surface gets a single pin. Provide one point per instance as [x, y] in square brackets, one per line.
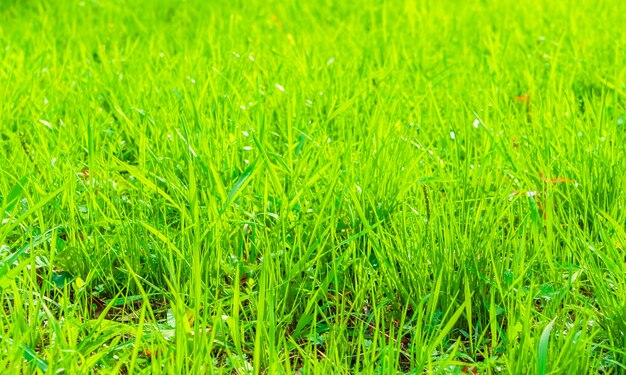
[312, 186]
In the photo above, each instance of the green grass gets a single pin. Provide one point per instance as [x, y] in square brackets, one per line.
[313, 186]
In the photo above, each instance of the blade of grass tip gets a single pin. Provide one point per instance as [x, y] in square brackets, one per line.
[270, 169]
[322, 208]
[7, 275]
[616, 225]
[6, 272]
[308, 258]
[542, 353]
[219, 186]
[611, 86]
[136, 172]
[9, 227]
[142, 292]
[448, 327]
[241, 182]
[26, 248]
[16, 192]
[164, 239]
[32, 357]
[499, 145]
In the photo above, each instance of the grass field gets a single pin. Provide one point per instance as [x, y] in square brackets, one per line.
[313, 186]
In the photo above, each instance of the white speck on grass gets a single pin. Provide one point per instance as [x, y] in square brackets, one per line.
[280, 87]
[45, 102]
[246, 368]
[193, 81]
[309, 103]
[452, 135]
[236, 54]
[245, 133]
[328, 140]
[46, 124]
[531, 193]
[251, 57]
[358, 188]
[187, 143]
[330, 61]
[243, 107]
[53, 162]
[476, 123]
[169, 136]
[247, 148]
[246, 161]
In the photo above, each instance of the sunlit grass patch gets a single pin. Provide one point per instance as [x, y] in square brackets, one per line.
[318, 187]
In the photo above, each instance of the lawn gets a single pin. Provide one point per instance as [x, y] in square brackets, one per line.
[313, 187]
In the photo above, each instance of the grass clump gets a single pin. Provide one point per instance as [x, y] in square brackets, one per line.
[312, 187]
